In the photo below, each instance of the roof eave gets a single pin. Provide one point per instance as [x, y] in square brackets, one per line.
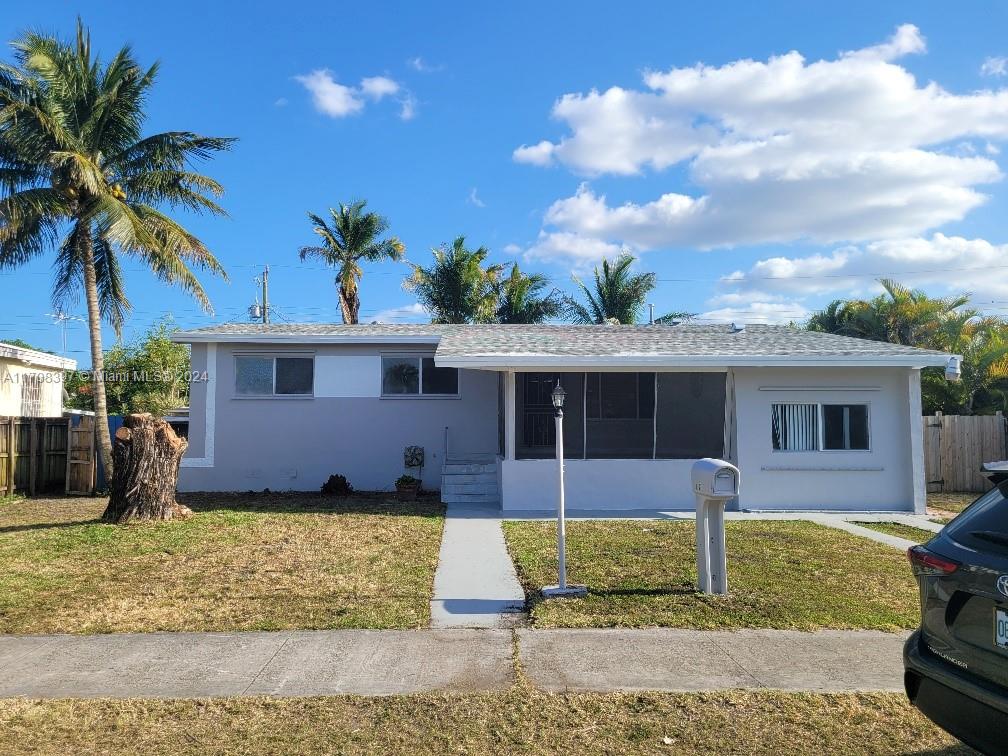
[195, 337]
[631, 361]
[34, 358]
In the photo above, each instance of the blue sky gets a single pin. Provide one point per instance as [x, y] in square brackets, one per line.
[707, 149]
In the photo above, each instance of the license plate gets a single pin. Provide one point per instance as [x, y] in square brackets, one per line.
[1001, 628]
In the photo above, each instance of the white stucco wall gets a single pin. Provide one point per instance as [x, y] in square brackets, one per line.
[888, 477]
[347, 427]
[882, 478]
[12, 377]
[531, 484]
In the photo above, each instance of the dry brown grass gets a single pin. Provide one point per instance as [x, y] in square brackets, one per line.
[945, 504]
[520, 721]
[242, 562]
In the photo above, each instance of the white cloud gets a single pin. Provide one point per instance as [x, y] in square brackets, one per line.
[849, 149]
[377, 87]
[536, 154]
[329, 96]
[408, 107]
[940, 264]
[583, 250]
[994, 66]
[421, 65]
[412, 313]
[280, 102]
[757, 312]
[512, 249]
[474, 199]
[906, 40]
[339, 100]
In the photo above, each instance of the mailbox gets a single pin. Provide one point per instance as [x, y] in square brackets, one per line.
[715, 479]
[715, 482]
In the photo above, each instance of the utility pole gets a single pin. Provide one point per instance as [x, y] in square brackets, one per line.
[265, 305]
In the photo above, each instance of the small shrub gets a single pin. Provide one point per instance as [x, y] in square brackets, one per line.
[337, 485]
[406, 480]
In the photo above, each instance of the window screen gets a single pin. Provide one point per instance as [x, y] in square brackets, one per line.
[254, 376]
[795, 427]
[845, 426]
[534, 421]
[439, 380]
[400, 375]
[295, 375]
[620, 415]
[690, 415]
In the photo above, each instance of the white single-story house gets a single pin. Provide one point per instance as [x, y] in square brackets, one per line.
[814, 421]
[31, 382]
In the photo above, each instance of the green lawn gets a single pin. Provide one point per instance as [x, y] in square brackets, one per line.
[242, 562]
[520, 721]
[794, 575]
[898, 529]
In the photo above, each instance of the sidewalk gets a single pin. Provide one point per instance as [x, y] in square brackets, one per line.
[475, 584]
[386, 662]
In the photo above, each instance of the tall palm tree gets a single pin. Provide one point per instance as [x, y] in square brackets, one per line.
[457, 288]
[520, 299]
[77, 175]
[352, 237]
[618, 295]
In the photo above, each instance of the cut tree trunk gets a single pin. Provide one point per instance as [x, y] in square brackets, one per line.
[146, 456]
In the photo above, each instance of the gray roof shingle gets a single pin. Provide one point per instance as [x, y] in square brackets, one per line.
[460, 344]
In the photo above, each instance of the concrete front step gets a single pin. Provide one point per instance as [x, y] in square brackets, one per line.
[469, 498]
[469, 468]
[449, 487]
[468, 478]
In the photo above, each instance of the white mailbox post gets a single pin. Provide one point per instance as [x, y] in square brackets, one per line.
[715, 482]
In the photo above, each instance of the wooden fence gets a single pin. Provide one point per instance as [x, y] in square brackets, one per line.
[955, 448]
[47, 455]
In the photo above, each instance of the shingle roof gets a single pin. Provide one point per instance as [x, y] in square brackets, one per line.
[490, 345]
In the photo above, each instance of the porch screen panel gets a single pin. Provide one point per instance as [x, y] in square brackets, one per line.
[795, 427]
[534, 423]
[690, 416]
[619, 415]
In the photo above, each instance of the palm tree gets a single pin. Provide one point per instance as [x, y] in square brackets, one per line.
[353, 237]
[983, 343]
[519, 299]
[457, 288]
[77, 175]
[618, 296]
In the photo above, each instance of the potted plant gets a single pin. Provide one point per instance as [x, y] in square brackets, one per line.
[406, 487]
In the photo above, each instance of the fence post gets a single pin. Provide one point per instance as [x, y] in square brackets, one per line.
[10, 456]
[69, 445]
[33, 458]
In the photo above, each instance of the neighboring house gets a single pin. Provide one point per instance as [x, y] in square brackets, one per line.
[814, 421]
[31, 382]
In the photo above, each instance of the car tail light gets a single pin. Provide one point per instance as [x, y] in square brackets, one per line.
[926, 562]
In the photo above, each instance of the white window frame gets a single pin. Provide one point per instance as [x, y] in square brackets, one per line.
[273, 357]
[821, 428]
[419, 357]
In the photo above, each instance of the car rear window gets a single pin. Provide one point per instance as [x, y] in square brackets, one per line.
[984, 524]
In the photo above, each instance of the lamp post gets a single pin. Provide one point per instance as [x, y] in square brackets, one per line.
[561, 589]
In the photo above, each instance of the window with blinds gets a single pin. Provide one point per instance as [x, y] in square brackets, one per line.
[795, 427]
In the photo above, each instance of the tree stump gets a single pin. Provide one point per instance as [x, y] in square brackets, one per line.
[145, 459]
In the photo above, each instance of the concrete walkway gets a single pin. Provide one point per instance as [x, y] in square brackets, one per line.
[384, 662]
[475, 584]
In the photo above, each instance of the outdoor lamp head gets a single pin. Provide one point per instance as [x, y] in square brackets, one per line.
[558, 396]
[953, 369]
